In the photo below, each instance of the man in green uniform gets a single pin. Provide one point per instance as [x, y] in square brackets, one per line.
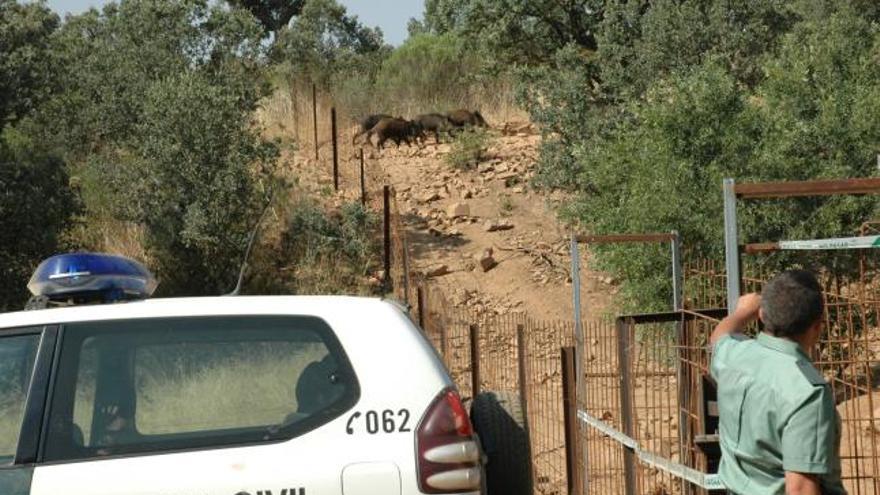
[779, 429]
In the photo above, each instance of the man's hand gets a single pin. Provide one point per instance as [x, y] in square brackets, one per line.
[801, 484]
[746, 311]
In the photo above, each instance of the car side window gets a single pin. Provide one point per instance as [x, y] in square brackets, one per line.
[17, 356]
[168, 384]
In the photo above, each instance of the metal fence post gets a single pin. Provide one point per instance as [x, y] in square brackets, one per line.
[420, 305]
[626, 406]
[731, 245]
[363, 181]
[335, 149]
[573, 448]
[677, 278]
[444, 340]
[475, 360]
[386, 218]
[522, 364]
[315, 117]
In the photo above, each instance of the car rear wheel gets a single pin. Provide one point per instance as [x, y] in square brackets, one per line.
[500, 422]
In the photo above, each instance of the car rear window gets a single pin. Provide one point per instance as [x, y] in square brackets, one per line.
[154, 385]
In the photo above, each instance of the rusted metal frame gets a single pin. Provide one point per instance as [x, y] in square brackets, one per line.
[765, 190]
[625, 238]
[863, 303]
[671, 237]
[624, 326]
[474, 332]
[573, 446]
[760, 247]
[671, 316]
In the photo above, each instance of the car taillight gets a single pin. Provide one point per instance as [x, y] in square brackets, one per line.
[449, 458]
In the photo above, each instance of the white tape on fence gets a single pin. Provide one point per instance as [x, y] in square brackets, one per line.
[866, 242]
[703, 480]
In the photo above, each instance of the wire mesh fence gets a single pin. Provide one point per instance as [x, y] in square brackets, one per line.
[644, 376]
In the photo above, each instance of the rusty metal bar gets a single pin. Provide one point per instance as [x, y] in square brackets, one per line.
[626, 402]
[420, 305]
[760, 247]
[522, 364]
[386, 217]
[315, 117]
[670, 316]
[335, 149]
[363, 181]
[474, 331]
[623, 238]
[807, 188]
[573, 448]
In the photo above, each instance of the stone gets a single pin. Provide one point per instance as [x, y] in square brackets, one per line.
[486, 261]
[457, 210]
[438, 271]
[429, 197]
[497, 225]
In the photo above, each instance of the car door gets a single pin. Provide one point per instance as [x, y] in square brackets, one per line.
[198, 406]
[25, 360]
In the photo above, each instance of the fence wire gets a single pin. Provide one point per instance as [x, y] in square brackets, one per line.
[647, 379]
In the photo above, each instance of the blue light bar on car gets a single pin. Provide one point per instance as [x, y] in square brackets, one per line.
[92, 275]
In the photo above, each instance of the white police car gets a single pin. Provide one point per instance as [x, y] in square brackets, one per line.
[233, 395]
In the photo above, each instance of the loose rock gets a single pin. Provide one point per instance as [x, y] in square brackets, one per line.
[438, 271]
[497, 225]
[486, 260]
[457, 210]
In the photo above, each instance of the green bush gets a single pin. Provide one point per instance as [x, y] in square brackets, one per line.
[155, 116]
[36, 202]
[320, 250]
[469, 148]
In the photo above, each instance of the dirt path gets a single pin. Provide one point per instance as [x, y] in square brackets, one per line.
[454, 216]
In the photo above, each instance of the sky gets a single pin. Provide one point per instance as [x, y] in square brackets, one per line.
[390, 15]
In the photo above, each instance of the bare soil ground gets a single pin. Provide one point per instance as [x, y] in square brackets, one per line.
[454, 216]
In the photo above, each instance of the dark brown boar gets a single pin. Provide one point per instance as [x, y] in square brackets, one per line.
[464, 118]
[368, 123]
[433, 122]
[395, 129]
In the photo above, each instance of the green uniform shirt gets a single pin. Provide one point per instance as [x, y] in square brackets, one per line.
[777, 414]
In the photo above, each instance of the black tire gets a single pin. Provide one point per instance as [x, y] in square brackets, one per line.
[501, 425]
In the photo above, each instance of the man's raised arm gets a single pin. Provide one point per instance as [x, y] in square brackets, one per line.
[747, 309]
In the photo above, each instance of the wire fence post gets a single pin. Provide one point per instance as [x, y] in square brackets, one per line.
[444, 339]
[363, 181]
[574, 473]
[474, 331]
[386, 232]
[580, 384]
[420, 306]
[731, 245]
[315, 117]
[626, 410]
[677, 277]
[522, 363]
[335, 149]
